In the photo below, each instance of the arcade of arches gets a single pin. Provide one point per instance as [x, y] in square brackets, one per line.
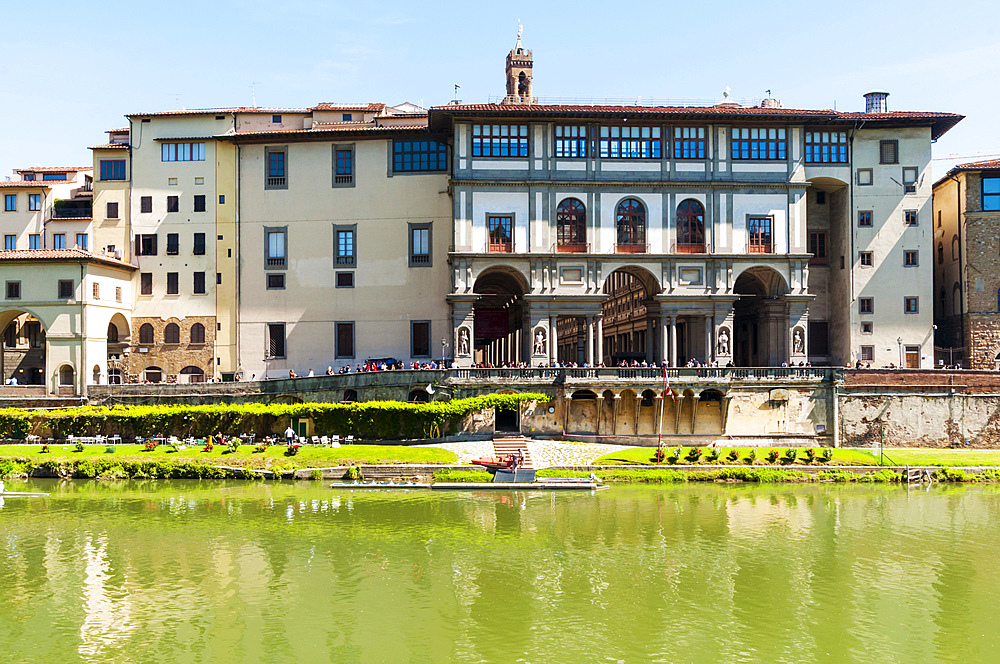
[22, 353]
[631, 320]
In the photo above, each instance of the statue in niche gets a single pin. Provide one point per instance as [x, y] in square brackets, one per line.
[539, 341]
[798, 342]
[463, 341]
[724, 340]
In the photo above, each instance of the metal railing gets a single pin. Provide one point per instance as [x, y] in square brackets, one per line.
[682, 374]
[630, 248]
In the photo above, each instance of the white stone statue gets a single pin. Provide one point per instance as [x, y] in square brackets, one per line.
[724, 341]
[798, 342]
[539, 341]
[463, 341]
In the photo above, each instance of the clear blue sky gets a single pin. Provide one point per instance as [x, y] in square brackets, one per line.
[71, 70]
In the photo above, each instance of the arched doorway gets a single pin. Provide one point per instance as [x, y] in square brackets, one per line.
[419, 395]
[630, 317]
[760, 318]
[192, 374]
[23, 351]
[117, 349]
[499, 318]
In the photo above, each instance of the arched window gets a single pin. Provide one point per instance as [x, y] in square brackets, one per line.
[350, 395]
[172, 334]
[66, 375]
[940, 253]
[571, 226]
[956, 300]
[197, 333]
[153, 374]
[192, 374]
[112, 333]
[943, 302]
[146, 334]
[630, 218]
[954, 248]
[114, 376]
[690, 227]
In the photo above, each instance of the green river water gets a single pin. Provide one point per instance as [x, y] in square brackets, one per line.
[263, 572]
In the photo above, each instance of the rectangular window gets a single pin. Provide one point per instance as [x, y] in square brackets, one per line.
[344, 250]
[864, 218]
[910, 179]
[173, 203]
[276, 281]
[276, 119]
[145, 245]
[222, 199]
[34, 202]
[275, 340]
[59, 241]
[199, 244]
[571, 141]
[343, 166]
[146, 204]
[275, 168]
[10, 242]
[420, 245]
[345, 340]
[759, 232]
[910, 217]
[867, 327]
[146, 283]
[82, 241]
[13, 290]
[199, 203]
[888, 152]
[182, 152]
[172, 283]
[344, 280]
[865, 178]
[499, 140]
[911, 305]
[826, 147]
[689, 142]
[30, 177]
[10, 203]
[817, 247]
[199, 283]
[420, 338]
[275, 255]
[97, 291]
[499, 227]
[118, 293]
[758, 143]
[821, 198]
[991, 194]
[54, 176]
[112, 210]
[65, 289]
[819, 337]
[112, 169]
[868, 353]
[629, 143]
[865, 259]
[423, 156]
[173, 244]
[911, 258]
[34, 241]
[866, 305]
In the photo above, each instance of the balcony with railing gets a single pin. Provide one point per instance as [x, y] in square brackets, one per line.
[689, 248]
[500, 247]
[276, 182]
[571, 248]
[344, 260]
[631, 248]
[275, 261]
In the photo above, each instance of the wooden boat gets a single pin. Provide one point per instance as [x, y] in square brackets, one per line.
[504, 461]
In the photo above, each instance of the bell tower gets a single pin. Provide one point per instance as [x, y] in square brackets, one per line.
[519, 74]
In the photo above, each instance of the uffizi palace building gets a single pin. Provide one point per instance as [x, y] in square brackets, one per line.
[245, 242]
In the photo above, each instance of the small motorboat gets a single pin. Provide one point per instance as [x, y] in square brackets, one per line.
[504, 461]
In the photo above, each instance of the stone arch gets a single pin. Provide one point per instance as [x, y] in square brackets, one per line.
[192, 374]
[628, 309]
[350, 395]
[97, 374]
[418, 395]
[628, 413]
[26, 352]
[760, 319]
[606, 415]
[582, 413]
[498, 313]
[153, 374]
[710, 418]
[67, 375]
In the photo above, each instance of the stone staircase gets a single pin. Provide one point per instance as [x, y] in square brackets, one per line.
[512, 445]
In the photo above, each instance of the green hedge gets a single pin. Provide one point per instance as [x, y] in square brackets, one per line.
[369, 420]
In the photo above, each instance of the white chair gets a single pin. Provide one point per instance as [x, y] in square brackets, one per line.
[324, 441]
[349, 440]
[334, 441]
[315, 440]
[100, 440]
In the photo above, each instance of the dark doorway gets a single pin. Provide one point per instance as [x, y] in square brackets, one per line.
[507, 420]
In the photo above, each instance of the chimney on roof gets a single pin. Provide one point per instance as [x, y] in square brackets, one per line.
[875, 101]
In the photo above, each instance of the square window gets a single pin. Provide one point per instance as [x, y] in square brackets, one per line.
[865, 218]
[172, 283]
[58, 240]
[34, 202]
[866, 305]
[171, 182]
[173, 244]
[867, 327]
[888, 152]
[199, 244]
[9, 242]
[911, 258]
[82, 241]
[909, 175]
[991, 194]
[864, 177]
[420, 338]
[113, 169]
[344, 280]
[146, 283]
[345, 340]
[911, 305]
[865, 259]
[199, 203]
[13, 290]
[146, 204]
[145, 245]
[198, 181]
[65, 289]
[275, 340]
[276, 119]
[112, 210]
[34, 241]
[173, 203]
[910, 217]
[10, 203]
[276, 281]
[868, 353]
[199, 283]
[345, 117]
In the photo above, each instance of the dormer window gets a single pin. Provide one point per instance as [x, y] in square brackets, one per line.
[345, 117]
[30, 177]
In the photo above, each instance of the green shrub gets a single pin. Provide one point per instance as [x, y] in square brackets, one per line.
[810, 455]
[734, 455]
[675, 455]
[78, 447]
[790, 455]
[316, 474]
[772, 456]
[826, 455]
[751, 455]
[694, 454]
[354, 473]
[713, 454]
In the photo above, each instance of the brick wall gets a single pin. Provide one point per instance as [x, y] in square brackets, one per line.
[171, 358]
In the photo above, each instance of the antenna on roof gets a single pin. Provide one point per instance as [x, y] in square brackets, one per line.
[253, 94]
[177, 99]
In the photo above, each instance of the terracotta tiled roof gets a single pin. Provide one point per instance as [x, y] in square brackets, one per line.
[110, 146]
[217, 111]
[332, 106]
[62, 254]
[39, 184]
[977, 165]
[321, 129]
[121, 130]
[54, 169]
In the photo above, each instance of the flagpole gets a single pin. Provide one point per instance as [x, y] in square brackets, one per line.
[659, 428]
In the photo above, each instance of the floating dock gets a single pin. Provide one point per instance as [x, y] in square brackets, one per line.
[478, 486]
[21, 494]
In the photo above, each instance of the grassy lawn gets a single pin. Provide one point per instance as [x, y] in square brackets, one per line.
[245, 457]
[644, 456]
[924, 457]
